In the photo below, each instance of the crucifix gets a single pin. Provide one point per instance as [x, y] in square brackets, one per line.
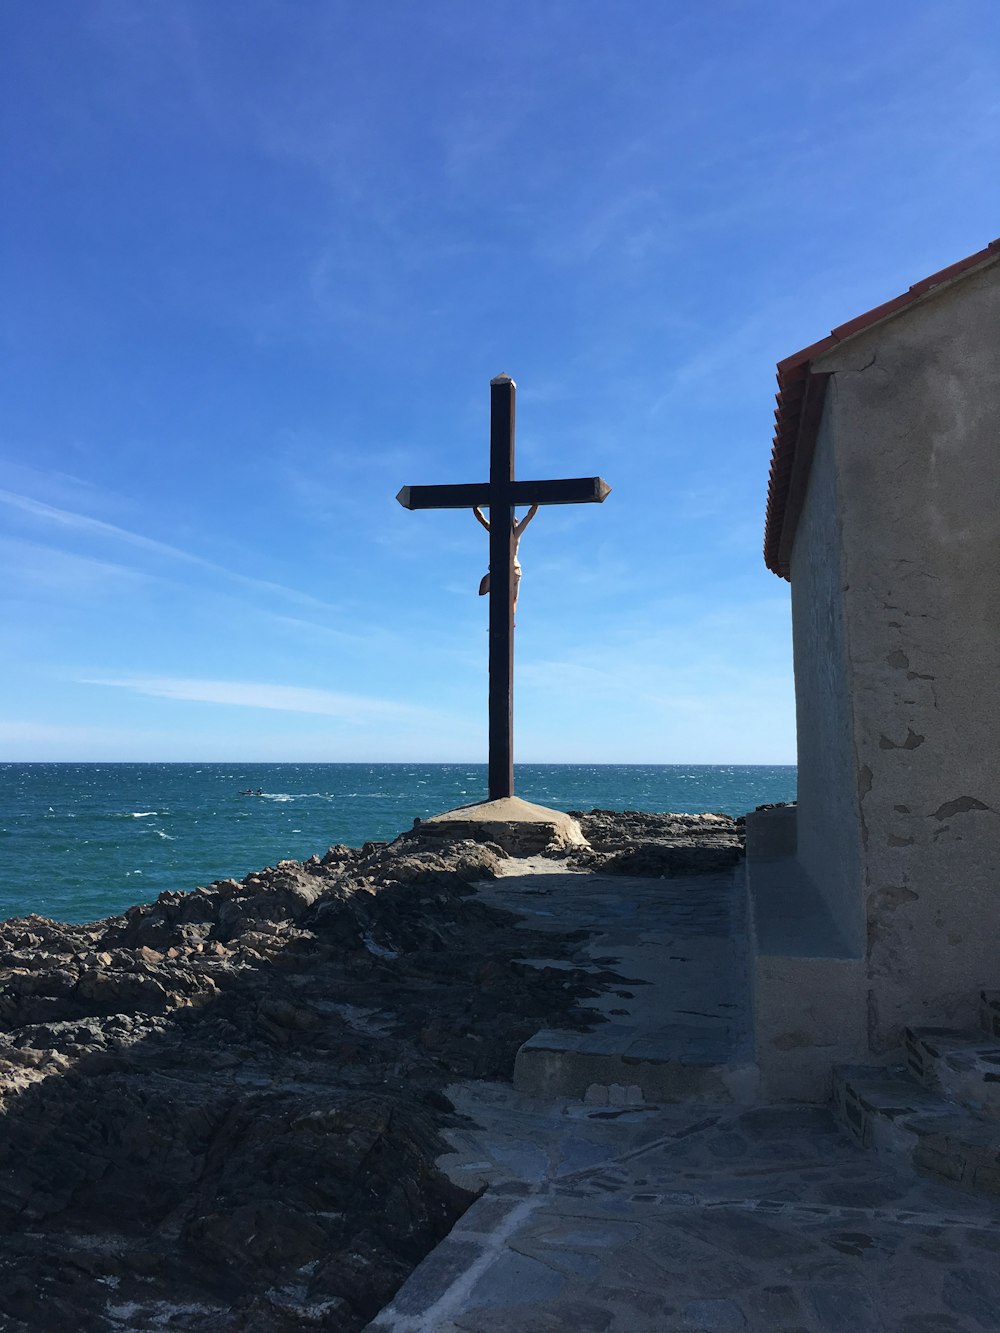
[501, 493]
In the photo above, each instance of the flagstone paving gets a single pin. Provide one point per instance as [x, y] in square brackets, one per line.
[694, 1218]
[612, 1210]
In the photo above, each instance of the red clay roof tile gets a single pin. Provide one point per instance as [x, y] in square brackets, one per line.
[794, 373]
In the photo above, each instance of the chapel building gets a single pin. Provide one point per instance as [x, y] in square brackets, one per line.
[877, 900]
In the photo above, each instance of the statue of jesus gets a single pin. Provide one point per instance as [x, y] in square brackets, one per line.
[519, 526]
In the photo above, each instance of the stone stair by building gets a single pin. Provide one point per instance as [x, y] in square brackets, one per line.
[623, 1064]
[941, 1109]
[668, 1018]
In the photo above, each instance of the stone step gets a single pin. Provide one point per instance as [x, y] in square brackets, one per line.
[989, 1012]
[622, 1064]
[885, 1109]
[962, 1065]
[871, 1100]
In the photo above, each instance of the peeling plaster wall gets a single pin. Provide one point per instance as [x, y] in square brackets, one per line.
[913, 416]
[828, 840]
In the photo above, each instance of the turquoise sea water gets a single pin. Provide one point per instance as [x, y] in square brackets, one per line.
[82, 841]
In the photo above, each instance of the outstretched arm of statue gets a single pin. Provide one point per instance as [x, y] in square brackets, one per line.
[479, 517]
[523, 523]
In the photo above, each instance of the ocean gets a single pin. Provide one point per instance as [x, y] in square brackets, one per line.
[83, 841]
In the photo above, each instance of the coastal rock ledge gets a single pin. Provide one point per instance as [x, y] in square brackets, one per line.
[222, 1110]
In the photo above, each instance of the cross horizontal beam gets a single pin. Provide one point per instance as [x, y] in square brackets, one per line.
[500, 495]
[566, 491]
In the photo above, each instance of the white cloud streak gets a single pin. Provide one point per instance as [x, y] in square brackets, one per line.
[35, 567]
[353, 708]
[96, 527]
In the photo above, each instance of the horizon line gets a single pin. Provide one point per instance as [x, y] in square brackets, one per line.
[424, 763]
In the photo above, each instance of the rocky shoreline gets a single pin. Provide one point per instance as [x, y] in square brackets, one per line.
[222, 1110]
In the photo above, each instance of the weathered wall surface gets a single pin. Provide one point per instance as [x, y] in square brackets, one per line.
[829, 850]
[913, 415]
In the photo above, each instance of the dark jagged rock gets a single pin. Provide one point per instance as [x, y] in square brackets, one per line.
[222, 1110]
[636, 843]
[224, 1107]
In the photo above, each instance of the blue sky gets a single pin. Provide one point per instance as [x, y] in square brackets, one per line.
[260, 262]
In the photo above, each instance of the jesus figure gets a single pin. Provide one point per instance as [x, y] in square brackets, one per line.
[519, 526]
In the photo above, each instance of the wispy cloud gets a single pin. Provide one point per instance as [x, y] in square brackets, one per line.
[38, 568]
[352, 708]
[61, 487]
[633, 226]
[96, 527]
[367, 639]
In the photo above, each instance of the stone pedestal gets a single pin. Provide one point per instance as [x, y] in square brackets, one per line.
[520, 828]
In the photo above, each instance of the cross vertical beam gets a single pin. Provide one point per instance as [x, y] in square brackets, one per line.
[500, 494]
[501, 693]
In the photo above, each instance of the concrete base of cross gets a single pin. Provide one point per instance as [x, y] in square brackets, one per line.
[519, 827]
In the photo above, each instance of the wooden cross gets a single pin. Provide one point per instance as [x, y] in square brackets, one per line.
[501, 493]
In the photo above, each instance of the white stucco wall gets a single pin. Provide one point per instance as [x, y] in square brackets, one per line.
[899, 671]
[828, 833]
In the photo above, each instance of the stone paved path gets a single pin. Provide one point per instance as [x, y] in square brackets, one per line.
[694, 1219]
[678, 1020]
[702, 1216]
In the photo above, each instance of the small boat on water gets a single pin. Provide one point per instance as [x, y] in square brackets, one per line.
[252, 791]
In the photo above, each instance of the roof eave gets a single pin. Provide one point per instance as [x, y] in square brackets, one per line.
[800, 400]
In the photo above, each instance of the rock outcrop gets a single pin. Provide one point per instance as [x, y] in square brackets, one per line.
[636, 843]
[222, 1110]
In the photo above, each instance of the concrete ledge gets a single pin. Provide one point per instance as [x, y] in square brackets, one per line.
[771, 833]
[789, 915]
[809, 1015]
[621, 1064]
[809, 989]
